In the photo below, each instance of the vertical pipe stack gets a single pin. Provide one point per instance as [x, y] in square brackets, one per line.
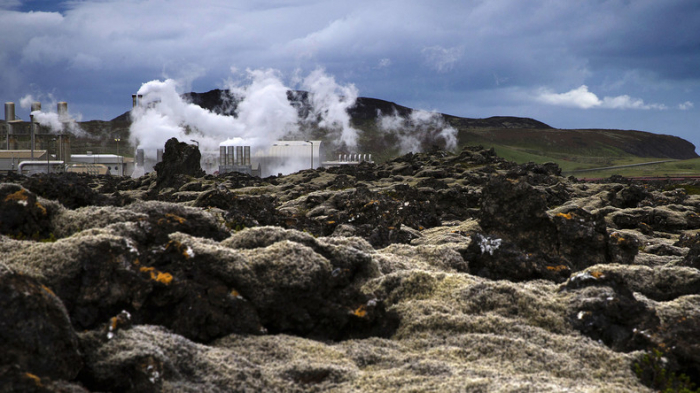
[63, 139]
[239, 156]
[140, 158]
[229, 155]
[9, 118]
[246, 155]
[159, 155]
[36, 106]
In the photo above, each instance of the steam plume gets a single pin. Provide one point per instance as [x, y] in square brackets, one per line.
[418, 128]
[263, 113]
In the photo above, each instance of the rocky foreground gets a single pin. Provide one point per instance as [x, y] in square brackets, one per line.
[433, 272]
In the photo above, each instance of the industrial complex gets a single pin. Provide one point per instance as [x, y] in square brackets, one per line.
[31, 148]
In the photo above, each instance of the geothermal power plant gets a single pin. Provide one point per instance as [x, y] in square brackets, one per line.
[33, 148]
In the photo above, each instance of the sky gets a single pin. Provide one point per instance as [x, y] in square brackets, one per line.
[616, 64]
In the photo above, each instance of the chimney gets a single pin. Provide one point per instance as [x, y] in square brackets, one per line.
[36, 106]
[62, 110]
[136, 100]
[9, 117]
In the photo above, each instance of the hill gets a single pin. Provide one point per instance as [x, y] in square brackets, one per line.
[515, 138]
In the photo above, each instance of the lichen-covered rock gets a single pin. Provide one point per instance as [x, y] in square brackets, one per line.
[166, 218]
[23, 215]
[431, 272]
[36, 335]
[604, 308]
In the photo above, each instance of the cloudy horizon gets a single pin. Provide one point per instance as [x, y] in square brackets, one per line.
[598, 64]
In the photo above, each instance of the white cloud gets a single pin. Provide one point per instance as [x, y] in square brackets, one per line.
[385, 62]
[582, 98]
[442, 59]
[686, 106]
[577, 98]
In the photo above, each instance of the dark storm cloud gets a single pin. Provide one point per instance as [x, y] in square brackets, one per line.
[473, 58]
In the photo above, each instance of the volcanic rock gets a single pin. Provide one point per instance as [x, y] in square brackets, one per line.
[431, 272]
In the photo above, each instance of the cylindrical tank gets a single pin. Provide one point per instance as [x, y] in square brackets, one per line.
[62, 110]
[239, 156]
[9, 111]
[159, 155]
[222, 155]
[140, 157]
[229, 155]
[246, 155]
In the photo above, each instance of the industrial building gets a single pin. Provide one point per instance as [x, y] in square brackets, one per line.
[31, 148]
[282, 157]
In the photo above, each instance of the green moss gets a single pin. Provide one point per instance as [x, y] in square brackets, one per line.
[652, 372]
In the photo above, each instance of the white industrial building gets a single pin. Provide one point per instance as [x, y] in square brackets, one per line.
[115, 164]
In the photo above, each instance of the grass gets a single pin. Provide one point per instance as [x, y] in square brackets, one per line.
[571, 162]
[667, 169]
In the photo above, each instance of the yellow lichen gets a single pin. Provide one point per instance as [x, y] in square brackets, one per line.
[176, 218]
[557, 268]
[360, 311]
[155, 275]
[169, 218]
[617, 237]
[164, 278]
[18, 196]
[34, 378]
[47, 289]
[331, 222]
[597, 274]
[40, 207]
[566, 216]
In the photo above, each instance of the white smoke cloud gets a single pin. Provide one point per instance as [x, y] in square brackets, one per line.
[264, 113]
[51, 120]
[330, 103]
[414, 130]
[582, 98]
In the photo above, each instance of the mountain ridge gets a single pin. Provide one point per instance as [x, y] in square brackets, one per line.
[509, 131]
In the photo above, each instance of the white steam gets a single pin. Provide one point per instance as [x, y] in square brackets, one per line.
[53, 121]
[330, 103]
[421, 126]
[264, 113]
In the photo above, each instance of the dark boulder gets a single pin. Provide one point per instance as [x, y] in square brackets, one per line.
[604, 308]
[179, 160]
[72, 190]
[692, 258]
[515, 210]
[35, 332]
[22, 215]
[581, 237]
[501, 259]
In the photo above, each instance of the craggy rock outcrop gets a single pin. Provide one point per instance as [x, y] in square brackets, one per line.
[179, 161]
[431, 272]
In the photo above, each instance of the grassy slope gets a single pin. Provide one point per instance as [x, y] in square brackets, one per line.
[575, 150]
